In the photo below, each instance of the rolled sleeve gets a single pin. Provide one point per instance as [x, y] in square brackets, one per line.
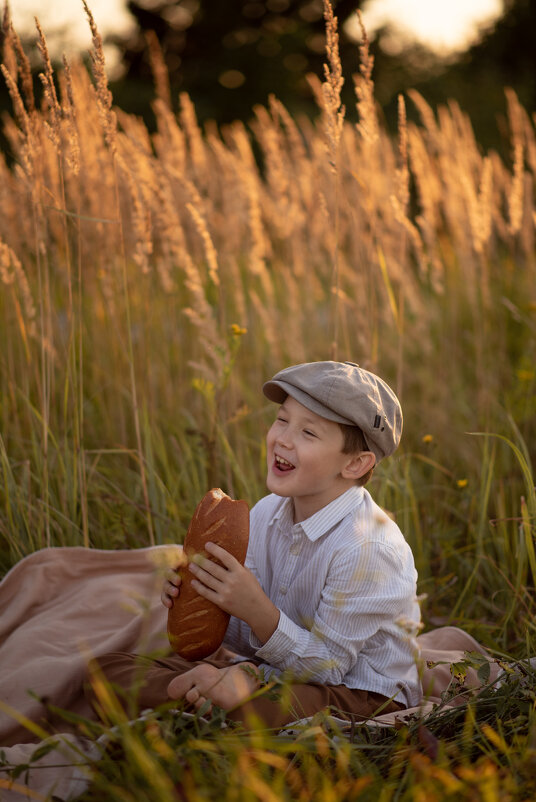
[288, 639]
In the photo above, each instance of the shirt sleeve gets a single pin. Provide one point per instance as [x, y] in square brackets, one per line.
[363, 592]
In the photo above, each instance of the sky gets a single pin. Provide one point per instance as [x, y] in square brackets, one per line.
[444, 25]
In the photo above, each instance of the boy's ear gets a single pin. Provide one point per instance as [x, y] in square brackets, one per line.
[358, 465]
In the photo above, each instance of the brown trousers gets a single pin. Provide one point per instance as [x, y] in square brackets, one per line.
[150, 677]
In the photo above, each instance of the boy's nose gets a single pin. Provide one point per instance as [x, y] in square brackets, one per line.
[284, 438]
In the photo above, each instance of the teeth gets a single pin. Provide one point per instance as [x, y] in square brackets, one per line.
[281, 461]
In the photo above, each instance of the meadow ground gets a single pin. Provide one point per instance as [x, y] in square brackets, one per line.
[152, 282]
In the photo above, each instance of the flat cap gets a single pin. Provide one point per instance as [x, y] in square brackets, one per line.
[345, 393]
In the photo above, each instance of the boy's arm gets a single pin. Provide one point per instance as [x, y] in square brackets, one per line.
[363, 596]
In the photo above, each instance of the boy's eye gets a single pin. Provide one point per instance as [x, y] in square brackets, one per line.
[281, 418]
[308, 431]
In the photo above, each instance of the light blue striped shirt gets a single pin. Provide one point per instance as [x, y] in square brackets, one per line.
[345, 583]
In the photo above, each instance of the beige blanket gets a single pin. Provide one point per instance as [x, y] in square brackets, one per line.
[60, 606]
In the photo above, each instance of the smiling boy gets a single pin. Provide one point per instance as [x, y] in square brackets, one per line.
[306, 460]
[329, 583]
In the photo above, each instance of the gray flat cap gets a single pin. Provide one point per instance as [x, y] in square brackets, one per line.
[345, 393]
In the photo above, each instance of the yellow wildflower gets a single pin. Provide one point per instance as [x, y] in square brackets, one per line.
[462, 483]
[525, 375]
[428, 438]
[237, 330]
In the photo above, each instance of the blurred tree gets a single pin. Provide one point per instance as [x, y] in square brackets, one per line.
[229, 55]
[504, 55]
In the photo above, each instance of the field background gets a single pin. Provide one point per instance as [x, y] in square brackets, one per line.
[152, 282]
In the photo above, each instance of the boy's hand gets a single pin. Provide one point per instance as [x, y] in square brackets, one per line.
[236, 590]
[170, 588]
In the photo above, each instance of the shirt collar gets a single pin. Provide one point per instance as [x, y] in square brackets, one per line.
[323, 520]
[284, 514]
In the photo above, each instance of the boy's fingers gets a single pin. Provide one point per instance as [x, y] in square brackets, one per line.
[201, 566]
[227, 559]
[209, 579]
[169, 593]
[173, 577]
[165, 598]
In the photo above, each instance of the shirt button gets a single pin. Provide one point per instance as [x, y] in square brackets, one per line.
[283, 589]
[295, 548]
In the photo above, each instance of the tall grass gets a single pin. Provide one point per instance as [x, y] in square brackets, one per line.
[152, 282]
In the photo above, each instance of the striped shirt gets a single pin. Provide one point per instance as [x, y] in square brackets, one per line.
[345, 583]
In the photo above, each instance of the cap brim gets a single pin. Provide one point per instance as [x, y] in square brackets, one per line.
[278, 391]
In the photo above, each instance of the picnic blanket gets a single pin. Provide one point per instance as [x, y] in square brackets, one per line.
[61, 606]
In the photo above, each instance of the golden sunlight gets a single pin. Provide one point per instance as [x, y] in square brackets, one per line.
[443, 25]
[446, 26]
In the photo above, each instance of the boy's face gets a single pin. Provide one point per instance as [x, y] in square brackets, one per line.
[305, 459]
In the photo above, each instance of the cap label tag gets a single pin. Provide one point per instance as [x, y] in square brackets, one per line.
[377, 421]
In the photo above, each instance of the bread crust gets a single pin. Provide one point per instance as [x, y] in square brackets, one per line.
[196, 626]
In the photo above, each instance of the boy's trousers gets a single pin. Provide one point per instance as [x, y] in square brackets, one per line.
[149, 678]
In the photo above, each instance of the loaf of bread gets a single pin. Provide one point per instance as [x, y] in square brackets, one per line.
[197, 626]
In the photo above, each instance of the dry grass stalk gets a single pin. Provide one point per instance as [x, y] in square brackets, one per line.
[25, 71]
[294, 135]
[228, 200]
[515, 198]
[208, 246]
[25, 150]
[170, 140]
[425, 172]
[334, 111]
[402, 171]
[194, 136]
[202, 315]
[530, 140]
[412, 230]
[259, 244]
[428, 118]
[279, 207]
[516, 192]
[460, 171]
[247, 173]
[51, 97]
[104, 96]
[69, 114]
[364, 90]
[141, 220]
[482, 231]
[268, 318]
[333, 118]
[159, 69]
[168, 236]
[259, 241]
[12, 273]
[9, 57]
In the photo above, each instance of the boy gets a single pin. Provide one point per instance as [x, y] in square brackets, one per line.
[329, 583]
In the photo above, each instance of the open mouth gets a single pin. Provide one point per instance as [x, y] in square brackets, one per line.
[283, 465]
